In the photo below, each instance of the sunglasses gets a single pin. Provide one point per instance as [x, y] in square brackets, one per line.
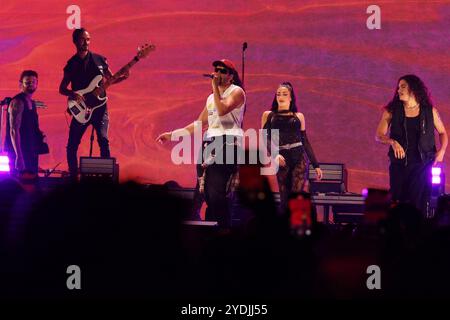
[221, 70]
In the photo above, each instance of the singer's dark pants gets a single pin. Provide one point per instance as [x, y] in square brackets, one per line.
[100, 122]
[198, 198]
[411, 183]
[217, 179]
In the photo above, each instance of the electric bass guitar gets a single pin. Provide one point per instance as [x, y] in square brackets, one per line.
[94, 94]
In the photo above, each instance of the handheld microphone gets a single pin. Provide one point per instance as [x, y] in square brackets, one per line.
[244, 46]
[207, 75]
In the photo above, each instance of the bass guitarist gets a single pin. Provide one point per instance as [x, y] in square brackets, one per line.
[81, 71]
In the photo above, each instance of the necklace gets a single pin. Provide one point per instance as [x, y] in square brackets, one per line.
[413, 107]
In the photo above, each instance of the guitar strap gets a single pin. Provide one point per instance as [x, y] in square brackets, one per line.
[99, 62]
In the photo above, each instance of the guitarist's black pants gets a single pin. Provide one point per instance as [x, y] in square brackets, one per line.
[100, 122]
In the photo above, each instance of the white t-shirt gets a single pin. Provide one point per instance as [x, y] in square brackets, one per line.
[229, 124]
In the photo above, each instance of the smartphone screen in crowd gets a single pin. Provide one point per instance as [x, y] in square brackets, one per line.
[301, 213]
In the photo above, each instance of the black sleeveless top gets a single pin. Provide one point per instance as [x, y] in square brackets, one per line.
[413, 135]
[288, 125]
[30, 135]
[425, 141]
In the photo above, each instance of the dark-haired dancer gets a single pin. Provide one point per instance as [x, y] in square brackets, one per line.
[293, 143]
[80, 70]
[223, 113]
[411, 120]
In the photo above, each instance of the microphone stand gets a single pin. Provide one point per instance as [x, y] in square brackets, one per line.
[49, 172]
[91, 142]
[244, 47]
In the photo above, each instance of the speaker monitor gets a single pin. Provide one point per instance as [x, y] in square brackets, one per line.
[334, 178]
[344, 213]
[96, 167]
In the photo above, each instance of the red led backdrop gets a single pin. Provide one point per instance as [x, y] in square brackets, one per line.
[342, 71]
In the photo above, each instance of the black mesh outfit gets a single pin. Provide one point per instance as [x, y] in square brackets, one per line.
[293, 144]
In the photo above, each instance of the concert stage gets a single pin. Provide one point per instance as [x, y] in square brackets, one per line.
[134, 235]
[331, 207]
[138, 235]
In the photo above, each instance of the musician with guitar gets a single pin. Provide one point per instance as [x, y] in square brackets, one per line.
[89, 75]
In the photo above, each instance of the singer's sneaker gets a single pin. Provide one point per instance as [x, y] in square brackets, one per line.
[201, 184]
